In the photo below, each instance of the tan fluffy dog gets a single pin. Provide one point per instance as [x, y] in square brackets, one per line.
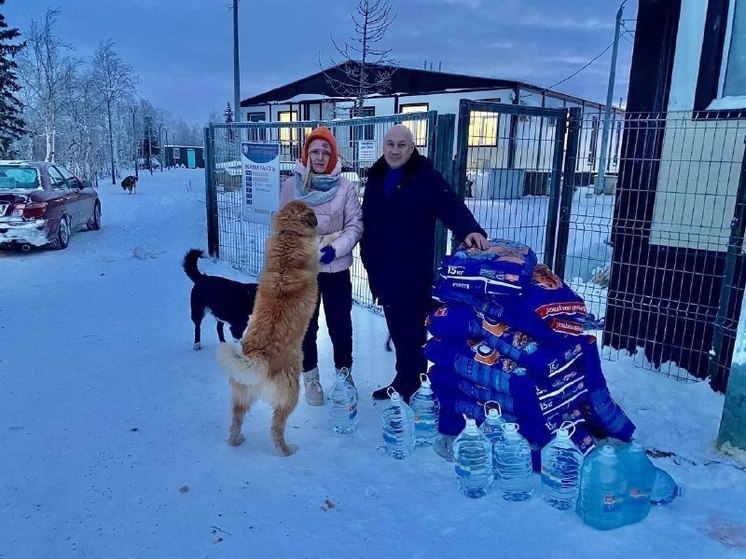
[270, 363]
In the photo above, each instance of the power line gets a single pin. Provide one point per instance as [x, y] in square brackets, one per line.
[599, 55]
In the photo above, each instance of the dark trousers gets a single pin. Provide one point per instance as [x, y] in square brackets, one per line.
[335, 291]
[406, 323]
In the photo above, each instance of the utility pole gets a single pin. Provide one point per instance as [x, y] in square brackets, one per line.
[600, 178]
[134, 139]
[236, 71]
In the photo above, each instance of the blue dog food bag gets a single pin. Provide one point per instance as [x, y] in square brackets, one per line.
[503, 269]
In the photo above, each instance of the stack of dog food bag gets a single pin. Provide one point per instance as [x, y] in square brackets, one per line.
[511, 331]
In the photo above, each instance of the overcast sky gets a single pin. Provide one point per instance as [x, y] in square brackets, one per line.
[182, 49]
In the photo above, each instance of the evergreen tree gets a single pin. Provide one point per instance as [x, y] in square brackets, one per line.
[11, 123]
[228, 113]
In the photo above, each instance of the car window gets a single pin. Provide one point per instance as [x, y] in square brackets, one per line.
[56, 178]
[18, 177]
[70, 179]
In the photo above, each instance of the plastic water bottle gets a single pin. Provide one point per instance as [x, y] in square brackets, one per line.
[472, 454]
[426, 409]
[343, 408]
[397, 422]
[603, 488]
[665, 489]
[640, 479]
[492, 427]
[560, 469]
[514, 465]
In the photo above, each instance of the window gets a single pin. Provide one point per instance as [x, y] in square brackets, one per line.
[366, 131]
[721, 83]
[177, 153]
[483, 127]
[418, 127]
[733, 71]
[257, 134]
[57, 180]
[288, 134]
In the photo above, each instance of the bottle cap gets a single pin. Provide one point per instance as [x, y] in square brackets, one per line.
[394, 396]
[565, 430]
[471, 425]
[498, 412]
[608, 450]
[510, 429]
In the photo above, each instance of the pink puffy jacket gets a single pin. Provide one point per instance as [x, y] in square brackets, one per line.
[340, 219]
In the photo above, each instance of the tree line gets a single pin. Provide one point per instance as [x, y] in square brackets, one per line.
[84, 113]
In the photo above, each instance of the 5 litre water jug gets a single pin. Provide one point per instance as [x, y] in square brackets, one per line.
[343, 408]
[397, 423]
[515, 474]
[603, 488]
[560, 469]
[472, 454]
[640, 479]
[426, 408]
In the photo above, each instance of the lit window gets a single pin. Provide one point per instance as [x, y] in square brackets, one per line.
[483, 127]
[286, 133]
[418, 127]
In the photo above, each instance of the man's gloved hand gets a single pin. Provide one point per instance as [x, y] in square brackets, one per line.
[327, 254]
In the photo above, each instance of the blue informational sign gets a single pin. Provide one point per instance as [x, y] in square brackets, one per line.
[261, 180]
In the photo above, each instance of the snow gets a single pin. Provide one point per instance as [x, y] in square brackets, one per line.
[113, 429]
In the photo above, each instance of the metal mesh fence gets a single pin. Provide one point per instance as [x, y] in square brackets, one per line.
[670, 277]
[360, 142]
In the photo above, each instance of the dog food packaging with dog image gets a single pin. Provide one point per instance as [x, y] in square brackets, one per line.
[504, 269]
[512, 332]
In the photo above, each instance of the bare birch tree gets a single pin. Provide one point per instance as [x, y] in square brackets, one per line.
[115, 81]
[46, 70]
[366, 67]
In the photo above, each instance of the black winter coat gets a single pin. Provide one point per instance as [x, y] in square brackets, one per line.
[398, 243]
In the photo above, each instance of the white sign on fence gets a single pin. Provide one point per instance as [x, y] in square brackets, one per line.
[366, 150]
[261, 180]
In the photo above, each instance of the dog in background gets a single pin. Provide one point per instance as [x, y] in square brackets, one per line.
[130, 183]
[270, 360]
[228, 301]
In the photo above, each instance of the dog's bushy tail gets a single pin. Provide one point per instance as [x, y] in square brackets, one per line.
[190, 264]
[241, 368]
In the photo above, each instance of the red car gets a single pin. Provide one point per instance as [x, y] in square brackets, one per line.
[43, 204]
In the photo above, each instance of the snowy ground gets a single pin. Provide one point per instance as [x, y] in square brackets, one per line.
[113, 429]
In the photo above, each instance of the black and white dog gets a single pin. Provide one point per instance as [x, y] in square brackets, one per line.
[228, 301]
[129, 183]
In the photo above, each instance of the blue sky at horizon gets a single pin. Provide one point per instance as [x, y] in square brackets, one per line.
[182, 51]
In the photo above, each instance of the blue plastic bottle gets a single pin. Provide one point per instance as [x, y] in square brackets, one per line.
[640, 479]
[472, 454]
[665, 489]
[603, 488]
[397, 423]
[343, 404]
[560, 469]
[515, 474]
[426, 408]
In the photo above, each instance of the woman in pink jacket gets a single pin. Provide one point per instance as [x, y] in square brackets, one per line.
[318, 181]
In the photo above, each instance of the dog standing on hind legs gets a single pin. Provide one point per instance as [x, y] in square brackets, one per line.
[270, 361]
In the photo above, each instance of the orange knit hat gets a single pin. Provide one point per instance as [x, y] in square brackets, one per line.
[321, 133]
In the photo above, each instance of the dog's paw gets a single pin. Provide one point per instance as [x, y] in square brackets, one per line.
[288, 449]
[197, 346]
[236, 440]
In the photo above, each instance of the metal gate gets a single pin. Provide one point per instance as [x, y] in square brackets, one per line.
[509, 171]
[241, 243]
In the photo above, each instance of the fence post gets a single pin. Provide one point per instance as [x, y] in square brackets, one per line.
[568, 186]
[211, 194]
[733, 421]
[443, 163]
[550, 236]
[717, 369]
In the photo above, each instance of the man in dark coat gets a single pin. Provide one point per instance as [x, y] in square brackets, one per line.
[404, 195]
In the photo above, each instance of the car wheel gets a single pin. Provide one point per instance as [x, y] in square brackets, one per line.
[63, 235]
[94, 224]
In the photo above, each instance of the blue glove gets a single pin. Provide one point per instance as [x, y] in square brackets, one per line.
[327, 254]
